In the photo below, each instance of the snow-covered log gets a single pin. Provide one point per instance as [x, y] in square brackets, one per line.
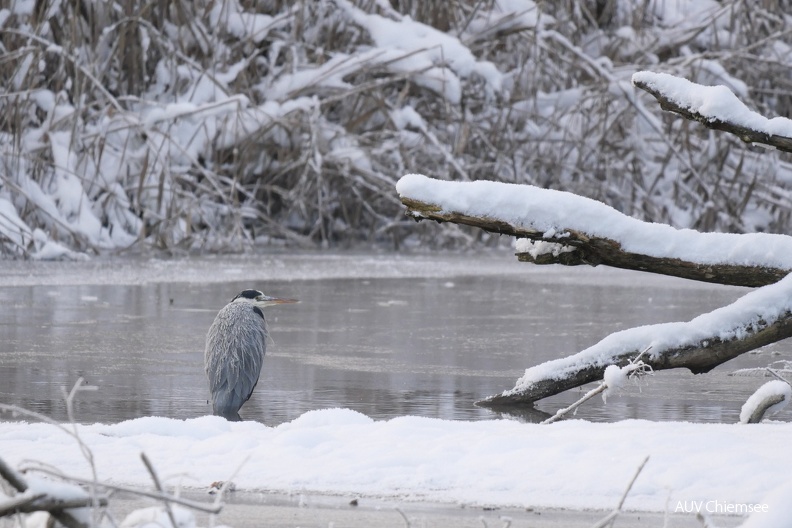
[716, 107]
[767, 400]
[759, 318]
[585, 231]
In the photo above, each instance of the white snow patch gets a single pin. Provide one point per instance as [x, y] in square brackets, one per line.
[615, 377]
[570, 464]
[775, 509]
[414, 45]
[157, 517]
[536, 248]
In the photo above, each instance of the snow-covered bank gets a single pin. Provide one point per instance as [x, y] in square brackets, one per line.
[572, 464]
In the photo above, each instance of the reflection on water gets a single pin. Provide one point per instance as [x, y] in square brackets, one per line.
[384, 347]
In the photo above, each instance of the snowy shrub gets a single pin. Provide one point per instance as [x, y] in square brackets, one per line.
[219, 124]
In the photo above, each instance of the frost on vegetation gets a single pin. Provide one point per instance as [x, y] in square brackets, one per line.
[203, 126]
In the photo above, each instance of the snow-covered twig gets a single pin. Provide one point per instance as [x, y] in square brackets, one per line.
[611, 517]
[12, 477]
[705, 520]
[54, 505]
[17, 503]
[158, 486]
[636, 367]
[777, 375]
[213, 509]
[586, 397]
[407, 522]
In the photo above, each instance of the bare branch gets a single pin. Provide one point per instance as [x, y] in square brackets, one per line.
[16, 504]
[12, 477]
[158, 485]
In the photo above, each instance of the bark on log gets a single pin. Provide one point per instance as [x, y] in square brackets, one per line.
[699, 358]
[746, 134]
[594, 251]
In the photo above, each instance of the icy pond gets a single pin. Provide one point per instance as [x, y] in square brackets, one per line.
[387, 335]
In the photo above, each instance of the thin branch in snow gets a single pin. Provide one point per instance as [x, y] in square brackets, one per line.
[17, 503]
[611, 517]
[407, 522]
[12, 477]
[777, 375]
[158, 486]
[705, 520]
[41, 468]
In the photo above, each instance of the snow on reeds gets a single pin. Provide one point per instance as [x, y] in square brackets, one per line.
[217, 125]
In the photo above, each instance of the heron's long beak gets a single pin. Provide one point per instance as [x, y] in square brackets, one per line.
[266, 300]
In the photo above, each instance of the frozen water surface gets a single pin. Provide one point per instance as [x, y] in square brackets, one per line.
[386, 335]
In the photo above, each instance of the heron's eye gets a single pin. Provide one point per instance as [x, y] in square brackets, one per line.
[258, 311]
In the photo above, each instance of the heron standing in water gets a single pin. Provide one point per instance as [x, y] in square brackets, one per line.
[235, 348]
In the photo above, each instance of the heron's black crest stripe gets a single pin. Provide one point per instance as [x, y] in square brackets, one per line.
[258, 311]
[248, 294]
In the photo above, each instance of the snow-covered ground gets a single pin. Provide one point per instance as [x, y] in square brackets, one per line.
[570, 464]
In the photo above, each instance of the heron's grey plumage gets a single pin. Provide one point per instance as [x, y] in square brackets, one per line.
[235, 348]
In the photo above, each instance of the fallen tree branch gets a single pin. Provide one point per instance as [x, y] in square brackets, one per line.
[748, 126]
[757, 319]
[437, 200]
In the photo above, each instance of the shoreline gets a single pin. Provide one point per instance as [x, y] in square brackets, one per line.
[280, 510]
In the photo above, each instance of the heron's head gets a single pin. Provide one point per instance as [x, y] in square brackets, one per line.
[260, 300]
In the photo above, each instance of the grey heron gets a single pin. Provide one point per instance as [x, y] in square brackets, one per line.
[235, 348]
